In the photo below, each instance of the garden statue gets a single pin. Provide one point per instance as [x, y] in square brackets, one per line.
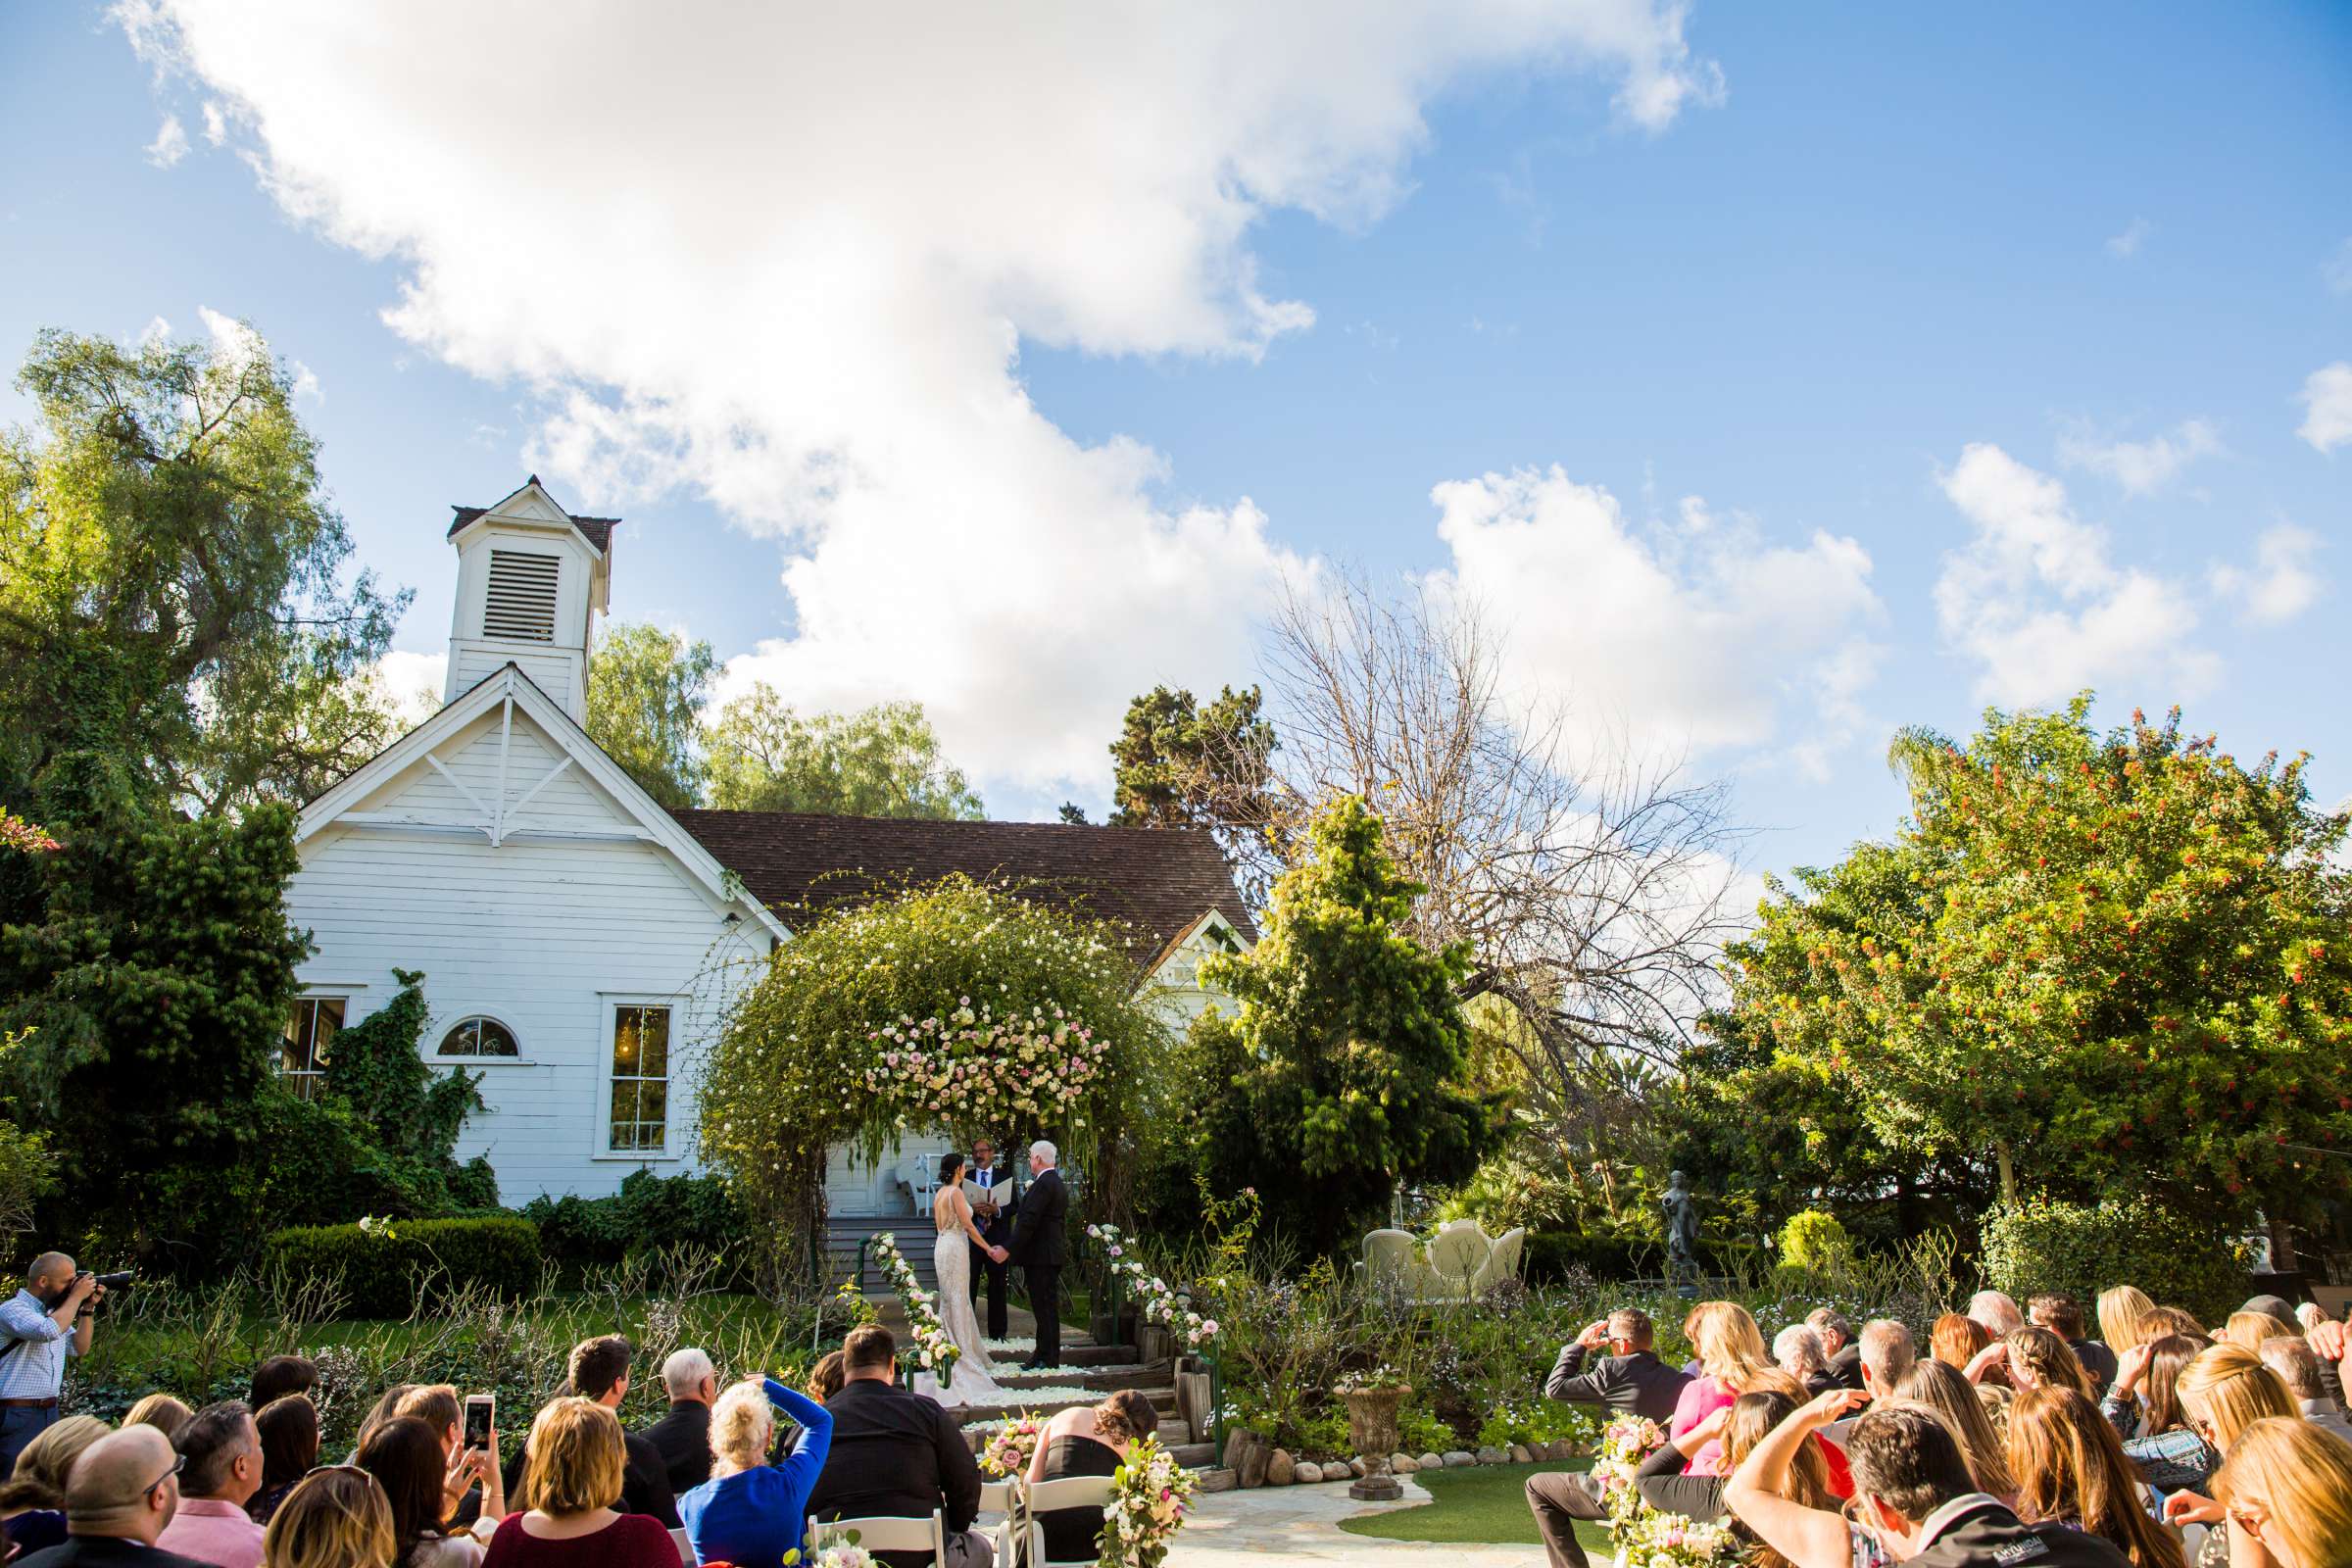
[1682, 1233]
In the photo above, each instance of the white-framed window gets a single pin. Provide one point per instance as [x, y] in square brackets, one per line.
[309, 1031]
[479, 1036]
[637, 1117]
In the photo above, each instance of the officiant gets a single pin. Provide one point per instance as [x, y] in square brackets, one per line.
[989, 1186]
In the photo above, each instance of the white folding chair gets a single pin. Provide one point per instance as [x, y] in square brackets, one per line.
[1069, 1492]
[677, 1539]
[887, 1535]
[998, 1496]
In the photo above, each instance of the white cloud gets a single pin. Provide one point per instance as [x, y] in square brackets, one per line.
[2327, 406]
[171, 143]
[2141, 467]
[2126, 245]
[216, 123]
[2035, 599]
[2281, 585]
[1695, 632]
[412, 682]
[233, 342]
[306, 381]
[156, 331]
[802, 286]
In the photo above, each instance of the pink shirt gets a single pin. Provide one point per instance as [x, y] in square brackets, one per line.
[214, 1531]
[1702, 1398]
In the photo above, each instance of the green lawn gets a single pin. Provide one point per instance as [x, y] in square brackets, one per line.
[1486, 1504]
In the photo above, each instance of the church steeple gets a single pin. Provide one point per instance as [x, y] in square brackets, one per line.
[531, 579]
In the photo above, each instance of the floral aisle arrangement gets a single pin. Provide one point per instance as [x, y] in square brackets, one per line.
[1624, 1444]
[934, 1352]
[971, 1069]
[1149, 1492]
[1011, 1445]
[839, 1549]
[1172, 1309]
[1669, 1540]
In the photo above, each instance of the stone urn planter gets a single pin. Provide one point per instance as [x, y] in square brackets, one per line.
[1372, 1428]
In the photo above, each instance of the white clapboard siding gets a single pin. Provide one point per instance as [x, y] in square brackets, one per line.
[541, 934]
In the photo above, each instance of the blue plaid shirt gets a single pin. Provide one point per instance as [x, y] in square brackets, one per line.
[34, 1365]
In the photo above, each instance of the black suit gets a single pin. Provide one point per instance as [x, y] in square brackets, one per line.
[1639, 1382]
[107, 1551]
[998, 1228]
[1041, 1248]
[1845, 1367]
[682, 1439]
[895, 1455]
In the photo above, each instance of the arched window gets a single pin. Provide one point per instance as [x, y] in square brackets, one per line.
[479, 1036]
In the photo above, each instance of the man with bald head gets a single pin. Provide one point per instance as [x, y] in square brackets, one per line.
[120, 1495]
[45, 1322]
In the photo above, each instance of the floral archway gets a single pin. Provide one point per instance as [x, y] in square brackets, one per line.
[960, 1008]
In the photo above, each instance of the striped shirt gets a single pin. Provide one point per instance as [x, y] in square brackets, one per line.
[34, 1365]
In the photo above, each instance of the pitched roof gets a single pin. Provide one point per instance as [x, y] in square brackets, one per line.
[598, 531]
[1158, 881]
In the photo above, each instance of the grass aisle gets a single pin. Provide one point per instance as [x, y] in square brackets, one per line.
[1483, 1504]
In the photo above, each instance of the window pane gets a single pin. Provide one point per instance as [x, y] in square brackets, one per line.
[496, 1039]
[624, 1109]
[625, 1033]
[653, 1105]
[653, 1037]
[326, 1017]
[460, 1041]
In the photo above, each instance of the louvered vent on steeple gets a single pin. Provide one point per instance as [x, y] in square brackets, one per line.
[522, 601]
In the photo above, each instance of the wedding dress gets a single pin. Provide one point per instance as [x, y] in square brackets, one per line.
[952, 1259]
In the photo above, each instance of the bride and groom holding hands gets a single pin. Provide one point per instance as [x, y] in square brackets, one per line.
[989, 1232]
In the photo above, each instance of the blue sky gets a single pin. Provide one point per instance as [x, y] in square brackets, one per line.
[1987, 337]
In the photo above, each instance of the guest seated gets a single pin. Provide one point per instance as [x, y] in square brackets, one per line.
[2124, 1311]
[2038, 1358]
[1996, 1312]
[220, 1469]
[280, 1376]
[1957, 1340]
[600, 1371]
[1837, 1345]
[1732, 1362]
[750, 1513]
[408, 1459]
[462, 1501]
[1087, 1441]
[2062, 1315]
[1797, 1350]
[2225, 1390]
[1914, 1497]
[2287, 1491]
[2144, 1408]
[895, 1454]
[1629, 1379]
[162, 1411]
[2071, 1470]
[1820, 1474]
[337, 1518]
[289, 1430]
[682, 1438]
[118, 1498]
[33, 1502]
[574, 1477]
[387, 1408]
[2290, 1357]
[2247, 1330]
[1940, 1386]
[825, 1378]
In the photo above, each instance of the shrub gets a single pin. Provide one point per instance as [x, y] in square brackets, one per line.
[390, 1272]
[648, 1215]
[1553, 1257]
[1815, 1239]
[2042, 1244]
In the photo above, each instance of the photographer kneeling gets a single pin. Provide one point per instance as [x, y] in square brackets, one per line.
[45, 1322]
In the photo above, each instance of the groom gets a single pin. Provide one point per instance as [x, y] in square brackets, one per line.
[1040, 1248]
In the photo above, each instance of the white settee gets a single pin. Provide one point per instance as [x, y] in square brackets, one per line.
[1459, 1262]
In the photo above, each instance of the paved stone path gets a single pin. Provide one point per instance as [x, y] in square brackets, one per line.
[1300, 1525]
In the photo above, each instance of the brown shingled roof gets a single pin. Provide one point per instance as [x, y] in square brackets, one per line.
[1158, 881]
[598, 531]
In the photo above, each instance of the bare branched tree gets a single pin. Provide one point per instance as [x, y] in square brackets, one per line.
[1588, 879]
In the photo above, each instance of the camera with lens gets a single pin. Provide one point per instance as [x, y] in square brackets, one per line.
[110, 1282]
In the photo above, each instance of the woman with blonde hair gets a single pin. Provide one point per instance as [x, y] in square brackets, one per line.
[2247, 1330]
[2123, 1311]
[2222, 1392]
[570, 1481]
[165, 1413]
[2287, 1491]
[1731, 1361]
[2071, 1470]
[1939, 1386]
[2038, 1358]
[33, 1502]
[750, 1512]
[337, 1518]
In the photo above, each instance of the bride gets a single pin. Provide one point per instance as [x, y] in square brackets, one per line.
[952, 1259]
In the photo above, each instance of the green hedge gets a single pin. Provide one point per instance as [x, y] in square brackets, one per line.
[650, 1212]
[385, 1276]
[2045, 1244]
[1551, 1255]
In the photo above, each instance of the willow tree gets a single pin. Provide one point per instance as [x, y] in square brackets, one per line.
[958, 1008]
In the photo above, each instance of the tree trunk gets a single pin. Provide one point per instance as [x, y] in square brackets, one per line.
[2000, 1156]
